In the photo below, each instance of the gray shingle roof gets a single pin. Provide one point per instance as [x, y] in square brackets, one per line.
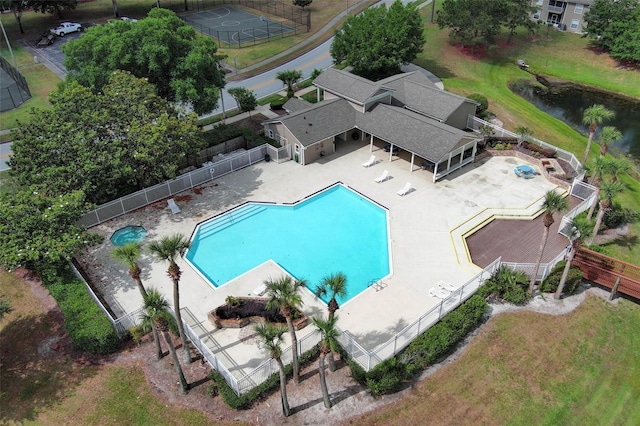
[411, 131]
[319, 122]
[296, 104]
[347, 85]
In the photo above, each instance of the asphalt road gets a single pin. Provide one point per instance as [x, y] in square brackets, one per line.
[5, 151]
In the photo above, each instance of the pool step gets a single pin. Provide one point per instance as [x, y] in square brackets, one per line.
[227, 219]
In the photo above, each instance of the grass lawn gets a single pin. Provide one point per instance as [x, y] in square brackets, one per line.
[528, 368]
[46, 387]
[560, 55]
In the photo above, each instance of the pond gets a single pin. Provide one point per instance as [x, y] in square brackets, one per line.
[567, 102]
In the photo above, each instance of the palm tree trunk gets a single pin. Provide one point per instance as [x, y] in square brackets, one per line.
[586, 151]
[545, 236]
[593, 205]
[598, 223]
[183, 337]
[332, 362]
[283, 388]
[143, 291]
[294, 350]
[184, 386]
[565, 274]
[156, 339]
[323, 380]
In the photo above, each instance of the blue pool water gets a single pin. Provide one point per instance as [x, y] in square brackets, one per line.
[336, 230]
[128, 234]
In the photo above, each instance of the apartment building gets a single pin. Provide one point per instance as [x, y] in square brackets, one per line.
[564, 15]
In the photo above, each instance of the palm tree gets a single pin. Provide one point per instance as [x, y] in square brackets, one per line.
[601, 167]
[129, 255]
[289, 78]
[553, 203]
[328, 343]
[580, 229]
[158, 316]
[271, 336]
[617, 167]
[151, 304]
[166, 250]
[336, 286]
[608, 191]
[608, 135]
[284, 297]
[594, 116]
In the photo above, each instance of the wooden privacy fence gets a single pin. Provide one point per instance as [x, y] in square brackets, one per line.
[609, 272]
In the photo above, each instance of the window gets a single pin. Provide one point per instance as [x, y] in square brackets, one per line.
[270, 134]
[536, 15]
[575, 23]
[578, 10]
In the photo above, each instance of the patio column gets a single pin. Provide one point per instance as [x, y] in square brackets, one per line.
[371, 144]
[413, 154]
[391, 153]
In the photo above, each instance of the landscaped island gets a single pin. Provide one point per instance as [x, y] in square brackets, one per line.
[238, 312]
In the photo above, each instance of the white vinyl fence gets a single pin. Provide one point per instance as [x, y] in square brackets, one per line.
[369, 359]
[474, 123]
[169, 188]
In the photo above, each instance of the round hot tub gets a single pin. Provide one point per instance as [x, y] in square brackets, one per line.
[128, 234]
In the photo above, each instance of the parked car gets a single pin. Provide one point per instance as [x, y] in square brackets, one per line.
[66, 28]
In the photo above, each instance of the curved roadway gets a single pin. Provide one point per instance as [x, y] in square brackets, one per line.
[265, 84]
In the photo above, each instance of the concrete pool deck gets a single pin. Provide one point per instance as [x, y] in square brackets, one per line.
[426, 227]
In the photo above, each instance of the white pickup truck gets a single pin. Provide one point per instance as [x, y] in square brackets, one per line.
[66, 28]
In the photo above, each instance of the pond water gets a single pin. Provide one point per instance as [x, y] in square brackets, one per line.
[567, 102]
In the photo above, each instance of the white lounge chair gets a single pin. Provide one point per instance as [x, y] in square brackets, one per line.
[259, 291]
[405, 190]
[173, 206]
[384, 176]
[370, 162]
[439, 293]
[446, 286]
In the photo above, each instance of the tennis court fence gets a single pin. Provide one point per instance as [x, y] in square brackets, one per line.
[298, 21]
[16, 93]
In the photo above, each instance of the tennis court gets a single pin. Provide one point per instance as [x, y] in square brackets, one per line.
[236, 27]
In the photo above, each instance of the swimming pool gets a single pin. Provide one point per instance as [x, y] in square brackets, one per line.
[335, 230]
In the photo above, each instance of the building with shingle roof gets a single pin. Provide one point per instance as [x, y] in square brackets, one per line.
[403, 112]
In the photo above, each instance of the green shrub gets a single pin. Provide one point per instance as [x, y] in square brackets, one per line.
[85, 323]
[439, 340]
[357, 372]
[499, 147]
[272, 383]
[481, 110]
[311, 97]
[506, 284]
[387, 377]
[277, 104]
[618, 216]
[574, 278]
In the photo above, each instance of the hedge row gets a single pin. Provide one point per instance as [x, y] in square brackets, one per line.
[87, 325]
[272, 383]
[431, 346]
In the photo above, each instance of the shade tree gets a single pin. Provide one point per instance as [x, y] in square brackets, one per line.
[245, 98]
[108, 144]
[289, 79]
[614, 25]
[39, 226]
[378, 41]
[182, 64]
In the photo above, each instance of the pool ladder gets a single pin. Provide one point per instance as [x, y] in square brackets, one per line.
[378, 284]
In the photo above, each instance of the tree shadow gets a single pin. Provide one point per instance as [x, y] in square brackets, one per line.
[40, 364]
